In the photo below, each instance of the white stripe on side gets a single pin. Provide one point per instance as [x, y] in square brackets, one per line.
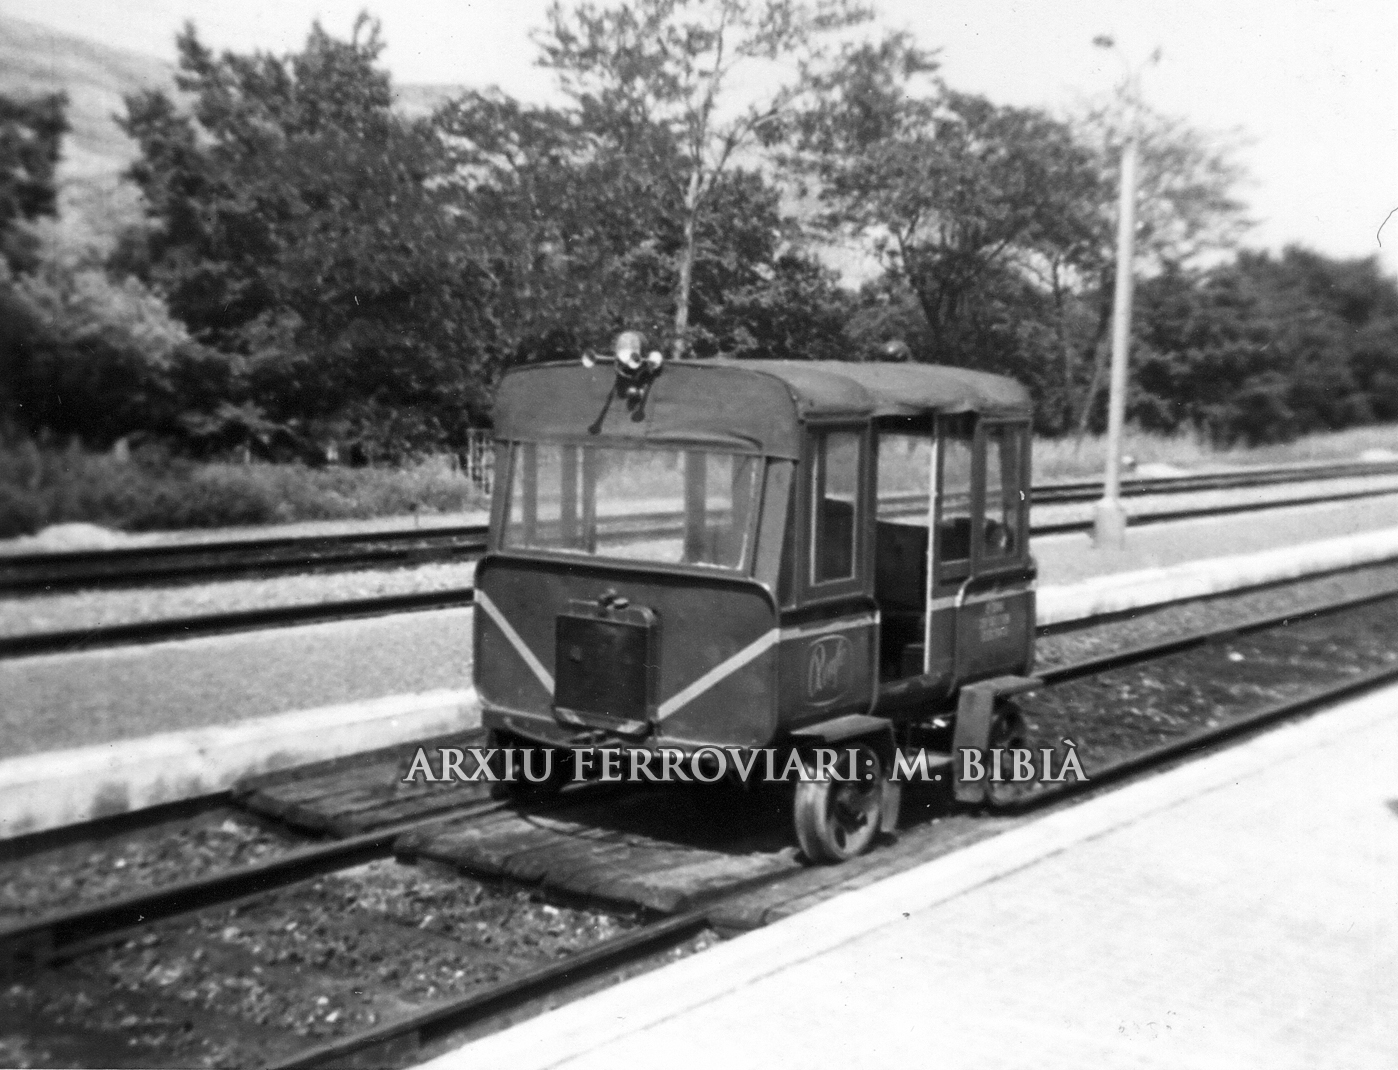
[521, 647]
[866, 620]
[753, 650]
[720, 671]
[950, 601]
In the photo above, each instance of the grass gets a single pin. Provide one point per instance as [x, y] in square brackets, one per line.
[1060, 459]
[1066, 459]
[40, 487]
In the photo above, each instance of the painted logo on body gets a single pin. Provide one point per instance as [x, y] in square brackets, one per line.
[828, 662]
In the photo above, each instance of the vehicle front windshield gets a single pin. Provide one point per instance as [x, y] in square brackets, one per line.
[661, 506]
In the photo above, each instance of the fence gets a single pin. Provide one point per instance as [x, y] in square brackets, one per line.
[478, 459]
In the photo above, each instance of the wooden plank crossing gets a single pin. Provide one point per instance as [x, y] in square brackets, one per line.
[360, 792]
[665, 849]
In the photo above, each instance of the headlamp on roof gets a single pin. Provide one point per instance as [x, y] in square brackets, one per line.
[635, 368]
[629, 350]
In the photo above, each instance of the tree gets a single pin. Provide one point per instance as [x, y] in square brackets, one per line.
[295, 219]
[948, 187]
[575, 235]
[31, 136]
[1186, 209]
[1001, 221]
[668, 66]
[583, 239]
[1264, 348]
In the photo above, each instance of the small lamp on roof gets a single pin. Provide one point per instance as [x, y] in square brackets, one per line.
[895, 349]
[635, 368]
[631, 353]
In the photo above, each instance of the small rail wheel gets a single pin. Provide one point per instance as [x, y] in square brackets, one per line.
[837, 817]
[1009, 732]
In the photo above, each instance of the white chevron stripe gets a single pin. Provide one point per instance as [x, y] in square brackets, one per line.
[865, 620]
[493, 612]
[723, 669]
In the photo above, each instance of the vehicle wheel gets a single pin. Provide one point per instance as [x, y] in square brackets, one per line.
[1008, 732]
[838, 819]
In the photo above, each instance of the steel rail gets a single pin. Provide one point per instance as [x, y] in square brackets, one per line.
[239, 620]
[54, 937]
[46, 940]
[74, 640]
[396, 1041]
[131, 565]
[128, 565]
[392, 1041]
[68, 932]
[1208, 737]
[97, 829]
[1204, 512]
[1164, 647]
[1306, 472]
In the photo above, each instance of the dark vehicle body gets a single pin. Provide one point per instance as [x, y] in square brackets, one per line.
[738, 554]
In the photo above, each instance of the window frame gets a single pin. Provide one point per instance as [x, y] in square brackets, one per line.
[981, 564]
[956, 570]
[811, 589]
[503, 503]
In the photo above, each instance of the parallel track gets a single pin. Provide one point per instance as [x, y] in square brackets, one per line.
[127, 566]
[238, 620]
[395, 1042]
[62, 935]
[206, 624]
[56, 937]
[213, 560]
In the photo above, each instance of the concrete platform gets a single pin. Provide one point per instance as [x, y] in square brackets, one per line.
[1235, 911]
[209, 690]
[64, 787]
[1065, 559]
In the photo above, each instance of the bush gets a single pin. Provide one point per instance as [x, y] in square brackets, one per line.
[1068, 459]
[21, 513]
[151, 491]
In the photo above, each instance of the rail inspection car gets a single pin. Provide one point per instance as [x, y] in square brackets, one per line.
[751, 554]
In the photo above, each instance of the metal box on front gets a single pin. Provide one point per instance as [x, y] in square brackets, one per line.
[606, 659]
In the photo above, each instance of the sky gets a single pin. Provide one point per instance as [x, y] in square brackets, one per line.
[1311, 84]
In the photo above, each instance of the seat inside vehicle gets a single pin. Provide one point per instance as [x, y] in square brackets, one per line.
[900, 580]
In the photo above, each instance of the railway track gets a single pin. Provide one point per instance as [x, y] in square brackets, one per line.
[57, 937]
[167, 629]
[67, 570]
[207, 624]
[218, 560]
[396, 1043]
[60, 936]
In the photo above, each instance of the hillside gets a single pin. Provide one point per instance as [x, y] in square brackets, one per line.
[34, 59]
[96, 203]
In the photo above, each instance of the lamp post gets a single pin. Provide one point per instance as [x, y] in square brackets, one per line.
[1109, 518]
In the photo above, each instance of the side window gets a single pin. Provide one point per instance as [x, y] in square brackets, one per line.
[1005, 501]
[954, 528]
[834, 494]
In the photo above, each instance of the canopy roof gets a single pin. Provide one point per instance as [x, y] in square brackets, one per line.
[756, 406]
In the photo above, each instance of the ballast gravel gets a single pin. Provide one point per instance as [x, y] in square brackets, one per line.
[254, 983]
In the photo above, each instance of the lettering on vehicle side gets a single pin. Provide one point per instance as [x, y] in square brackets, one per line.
[828, 669]
[994, 623]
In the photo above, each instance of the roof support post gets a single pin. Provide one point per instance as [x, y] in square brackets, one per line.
[933, 503]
